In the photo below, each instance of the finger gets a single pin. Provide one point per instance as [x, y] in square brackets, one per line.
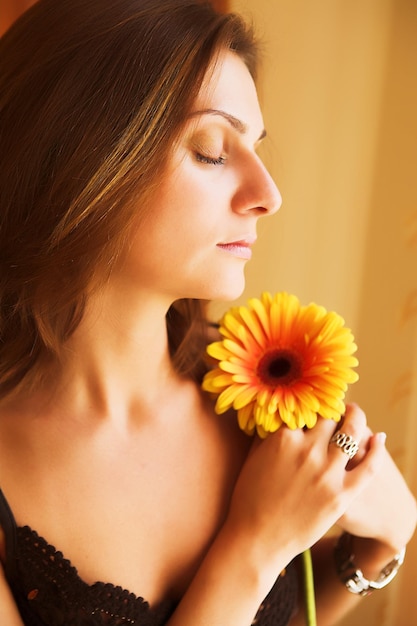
[353, 414]
[360, 476]
[364, 444]
[345, 440]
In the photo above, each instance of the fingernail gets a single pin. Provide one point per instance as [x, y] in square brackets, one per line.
[382, 437]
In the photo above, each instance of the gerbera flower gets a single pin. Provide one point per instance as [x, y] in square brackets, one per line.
[281, 363]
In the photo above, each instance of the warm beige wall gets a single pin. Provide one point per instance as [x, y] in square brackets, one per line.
[323, 77]
[10, 10]
[339, 89]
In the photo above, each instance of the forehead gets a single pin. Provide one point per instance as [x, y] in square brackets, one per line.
[229, 87]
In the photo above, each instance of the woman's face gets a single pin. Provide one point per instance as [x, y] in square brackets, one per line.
[196, 238]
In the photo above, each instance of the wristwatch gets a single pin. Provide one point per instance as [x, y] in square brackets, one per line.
[353, 578]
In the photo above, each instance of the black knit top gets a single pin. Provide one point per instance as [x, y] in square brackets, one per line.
[49, 592]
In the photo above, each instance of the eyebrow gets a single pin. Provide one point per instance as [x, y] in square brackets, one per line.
[237, 124]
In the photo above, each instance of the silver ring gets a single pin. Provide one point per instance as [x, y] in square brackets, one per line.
[346, 443]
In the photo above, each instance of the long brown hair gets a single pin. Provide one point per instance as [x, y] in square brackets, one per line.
[92, 97]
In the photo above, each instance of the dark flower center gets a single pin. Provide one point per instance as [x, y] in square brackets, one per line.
[279, 367]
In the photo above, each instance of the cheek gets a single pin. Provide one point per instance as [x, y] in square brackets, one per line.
[170, 233]
[186, 210]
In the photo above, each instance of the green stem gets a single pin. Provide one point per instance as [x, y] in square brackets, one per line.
[310, 602]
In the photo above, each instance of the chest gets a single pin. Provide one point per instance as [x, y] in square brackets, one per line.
[138, 512]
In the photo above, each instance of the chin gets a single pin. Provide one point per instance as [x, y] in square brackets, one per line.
[221, 285]
[227, 292]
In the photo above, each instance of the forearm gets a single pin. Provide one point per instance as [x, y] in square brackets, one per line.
[333, 599]
[230, 584]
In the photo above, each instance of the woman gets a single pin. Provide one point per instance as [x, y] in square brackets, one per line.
[131, 190]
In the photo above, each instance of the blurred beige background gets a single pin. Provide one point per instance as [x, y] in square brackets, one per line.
[10, 10]
[339, 94]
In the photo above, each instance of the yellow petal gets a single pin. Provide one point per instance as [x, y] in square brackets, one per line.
[227, 397]
[246, 396]
[214, 381]
[236, 349]
[262, 315]
[218, 351]
[254, 327]
[310, 418]
[288, 417]
[231, 324]
[244, 415]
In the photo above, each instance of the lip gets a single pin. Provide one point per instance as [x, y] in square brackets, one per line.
[240, 248]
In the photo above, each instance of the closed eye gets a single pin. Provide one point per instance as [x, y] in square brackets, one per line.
[201, 158]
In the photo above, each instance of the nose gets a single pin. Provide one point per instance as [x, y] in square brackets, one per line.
[257, 190]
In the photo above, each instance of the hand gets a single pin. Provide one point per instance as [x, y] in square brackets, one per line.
[385, 510]
[294, 486]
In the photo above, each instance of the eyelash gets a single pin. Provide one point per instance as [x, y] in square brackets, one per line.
[201, 158]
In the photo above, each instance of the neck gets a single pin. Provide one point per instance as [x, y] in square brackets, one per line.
[117, 362]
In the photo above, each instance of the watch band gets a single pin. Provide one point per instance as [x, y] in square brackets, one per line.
[353, 578]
